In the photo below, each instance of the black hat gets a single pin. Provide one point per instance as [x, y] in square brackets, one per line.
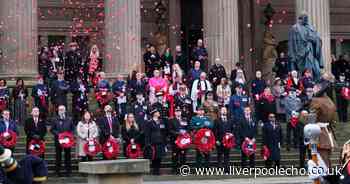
[153, 110]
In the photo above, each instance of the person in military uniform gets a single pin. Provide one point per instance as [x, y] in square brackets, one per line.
[140, 109]
[62, 123]
[223, 125]
[177, 126]
[247, 129]
[198, 122]
[155, 140]
[73, 63]
[342, 102]
[272, 139]
[80, 100]
[238, 102]
[162, 105]
[29, 170]
[183, 101]
[40, 94]
[216, 73]
[59, 91]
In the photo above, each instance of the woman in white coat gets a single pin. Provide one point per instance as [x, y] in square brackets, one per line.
[86, 130]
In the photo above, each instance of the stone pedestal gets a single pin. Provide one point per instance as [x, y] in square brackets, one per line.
[125, 171]
[18, 39]
[220, 20]
[319, 13]
[122, 37]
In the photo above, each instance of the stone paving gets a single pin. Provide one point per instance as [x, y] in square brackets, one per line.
[265, 180]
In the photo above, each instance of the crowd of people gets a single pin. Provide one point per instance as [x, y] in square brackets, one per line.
[176, 103]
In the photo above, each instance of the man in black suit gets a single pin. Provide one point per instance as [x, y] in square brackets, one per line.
[61, 124]
[109, 125]
[35, 128]
[247, 129]
[223, 125]
[272, 139]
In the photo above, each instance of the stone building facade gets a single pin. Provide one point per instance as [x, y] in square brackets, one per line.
[233, 30]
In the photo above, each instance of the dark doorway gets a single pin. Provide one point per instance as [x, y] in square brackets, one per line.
[191, 24]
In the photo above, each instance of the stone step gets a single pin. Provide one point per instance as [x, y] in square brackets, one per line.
[289, 158]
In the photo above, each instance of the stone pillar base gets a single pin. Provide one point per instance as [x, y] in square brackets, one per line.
[124, 171]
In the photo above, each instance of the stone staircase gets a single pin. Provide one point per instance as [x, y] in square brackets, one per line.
[289, 158]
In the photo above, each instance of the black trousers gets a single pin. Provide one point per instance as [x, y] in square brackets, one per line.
[67, 159]
[296, 131]
[342, 108]
[178, 157]
[202, 159]
[303, 149]
[223, 154]
[155, 165]
[244, 159]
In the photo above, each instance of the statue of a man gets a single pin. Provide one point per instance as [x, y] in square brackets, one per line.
[305, 47]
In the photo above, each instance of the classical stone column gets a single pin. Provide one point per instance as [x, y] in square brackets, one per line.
[175, 24]
[18, 38]
[122, 37]
[319, 13]
[220, 19]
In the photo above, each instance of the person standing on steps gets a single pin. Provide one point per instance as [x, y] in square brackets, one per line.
[62, 123]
